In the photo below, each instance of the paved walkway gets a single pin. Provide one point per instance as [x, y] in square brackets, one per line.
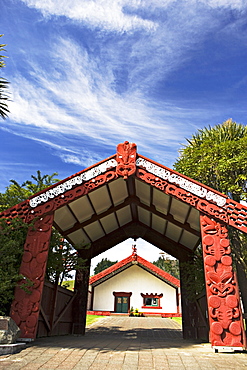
[127, 343]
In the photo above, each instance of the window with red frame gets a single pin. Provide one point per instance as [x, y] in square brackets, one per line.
[151, 300]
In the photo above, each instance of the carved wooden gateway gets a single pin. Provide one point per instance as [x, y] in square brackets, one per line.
[130, 196]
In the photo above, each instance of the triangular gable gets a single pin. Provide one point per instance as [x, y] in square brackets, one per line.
[133, 259]
[130, 196]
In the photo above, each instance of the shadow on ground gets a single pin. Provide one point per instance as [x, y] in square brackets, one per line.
[116, 338]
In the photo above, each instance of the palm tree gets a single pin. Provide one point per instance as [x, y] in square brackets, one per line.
[3, 86]
[41, 182]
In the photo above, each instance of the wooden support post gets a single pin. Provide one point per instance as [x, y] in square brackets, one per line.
[80, 301]
[26, 305]
[224, 311]
[189, 308]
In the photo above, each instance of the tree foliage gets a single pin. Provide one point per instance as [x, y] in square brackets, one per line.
[103, 264]
[3, 86]
[16, 193]
[216, 156]
[193, 275]
[168, 265]
[62, 257]
[12, 237]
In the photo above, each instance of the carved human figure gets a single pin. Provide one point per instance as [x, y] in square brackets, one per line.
[223, 301]
[126, 159]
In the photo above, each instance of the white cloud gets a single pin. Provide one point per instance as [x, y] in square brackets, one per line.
[79, 102]
[123, 15]
[76, 94]
[69, 158]
[82, 158]
[233, 4]
[106, 14]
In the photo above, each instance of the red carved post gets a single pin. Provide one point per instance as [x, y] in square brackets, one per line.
[225, 318]
[26, 305]
[126, 159]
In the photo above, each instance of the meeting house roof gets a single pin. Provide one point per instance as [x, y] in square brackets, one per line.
[131, 260]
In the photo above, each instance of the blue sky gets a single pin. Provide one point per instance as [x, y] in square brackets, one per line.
[86, 75]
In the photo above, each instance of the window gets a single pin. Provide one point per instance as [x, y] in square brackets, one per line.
[151, 300]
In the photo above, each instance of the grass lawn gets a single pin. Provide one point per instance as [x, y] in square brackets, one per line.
[178, 319]
[92, 318]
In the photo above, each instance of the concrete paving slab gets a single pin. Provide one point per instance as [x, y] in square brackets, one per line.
[123, 343]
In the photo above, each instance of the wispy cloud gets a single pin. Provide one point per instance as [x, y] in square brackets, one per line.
[233, 4]
[76, 99]
[121, 15]
[106, 14]
[108, 91]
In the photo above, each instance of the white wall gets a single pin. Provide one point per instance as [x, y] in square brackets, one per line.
[136, 280]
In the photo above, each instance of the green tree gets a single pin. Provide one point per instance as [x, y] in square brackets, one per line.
[103, 264]
[16, 193]
[3, 86]
[62, 260]
[168, 265]
[62, 256]
[216, 156]
[193, 275]
[12, 237]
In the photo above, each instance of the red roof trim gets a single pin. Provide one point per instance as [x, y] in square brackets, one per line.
[184, 176]
[110, 270]
[142, 262]
[72, 176]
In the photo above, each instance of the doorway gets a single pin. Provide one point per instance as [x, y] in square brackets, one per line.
[122, 302]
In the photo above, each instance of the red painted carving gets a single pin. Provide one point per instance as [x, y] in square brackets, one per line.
[151, 295]
[202, 205]
[225, 319]
[134, 253]
[26, 305]
[70, 195]
[237, 215]
[231, 213]
[126, 159]
[19, 210]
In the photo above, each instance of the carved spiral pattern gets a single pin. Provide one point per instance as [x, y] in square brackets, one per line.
[232, 213]
[71, 195]
[226, 327]
[223, 298]
[26, 305]
[237, 214]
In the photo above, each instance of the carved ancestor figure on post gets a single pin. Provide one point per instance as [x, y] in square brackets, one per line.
[126, 159]
[223, 299]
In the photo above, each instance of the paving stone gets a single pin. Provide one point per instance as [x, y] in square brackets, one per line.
[105, 347]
